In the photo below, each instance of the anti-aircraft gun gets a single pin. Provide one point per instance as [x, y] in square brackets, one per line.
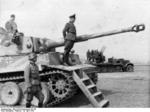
[59, 82]
[95, 56]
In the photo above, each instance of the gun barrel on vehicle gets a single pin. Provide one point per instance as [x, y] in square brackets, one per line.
[136, 28]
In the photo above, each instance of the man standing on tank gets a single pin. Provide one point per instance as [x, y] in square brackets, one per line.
[32, 81]
[69, 34]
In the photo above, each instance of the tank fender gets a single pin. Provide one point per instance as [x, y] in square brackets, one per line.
[68, 68]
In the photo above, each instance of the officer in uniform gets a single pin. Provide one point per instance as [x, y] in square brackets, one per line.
[11, 25]
[32, 80]
[69, 34]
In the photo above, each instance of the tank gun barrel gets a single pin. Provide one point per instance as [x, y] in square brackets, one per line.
[135, 28]
[81, 38]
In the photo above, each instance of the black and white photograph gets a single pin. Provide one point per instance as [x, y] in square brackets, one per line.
[74, 54]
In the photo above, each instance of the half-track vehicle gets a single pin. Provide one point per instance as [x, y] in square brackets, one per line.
[98, 59]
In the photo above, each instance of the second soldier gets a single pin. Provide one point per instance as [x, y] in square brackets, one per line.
[32, 80]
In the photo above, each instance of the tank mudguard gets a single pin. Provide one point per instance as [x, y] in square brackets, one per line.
[71, 68]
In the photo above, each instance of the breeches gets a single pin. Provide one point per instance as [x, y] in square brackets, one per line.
[68, 46]
[36, 91]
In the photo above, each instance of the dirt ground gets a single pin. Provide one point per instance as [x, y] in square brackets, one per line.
[121, 89]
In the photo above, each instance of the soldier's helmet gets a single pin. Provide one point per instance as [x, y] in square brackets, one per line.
[12, 15]
[72, 16]
[32, 56]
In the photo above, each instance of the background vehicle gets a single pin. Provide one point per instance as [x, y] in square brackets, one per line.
[97, 58]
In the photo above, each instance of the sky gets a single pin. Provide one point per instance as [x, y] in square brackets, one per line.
[46, 18]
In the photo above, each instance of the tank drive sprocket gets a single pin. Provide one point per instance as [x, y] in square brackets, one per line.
[61, 84]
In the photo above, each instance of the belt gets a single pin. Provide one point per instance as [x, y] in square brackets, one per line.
[72, 33]
[35, 82]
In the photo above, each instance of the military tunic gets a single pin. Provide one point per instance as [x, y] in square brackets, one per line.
[11, 27]
[33, 85]
[69, 32]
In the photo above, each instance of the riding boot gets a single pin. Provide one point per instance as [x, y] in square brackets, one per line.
[40, 105]
[28, 105]
[65, 59]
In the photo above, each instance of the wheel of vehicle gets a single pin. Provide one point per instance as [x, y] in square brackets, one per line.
[130, 68]
[34, 102]
[10, 94]
[23, 99]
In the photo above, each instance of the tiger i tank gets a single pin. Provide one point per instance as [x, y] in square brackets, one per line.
[59, 82]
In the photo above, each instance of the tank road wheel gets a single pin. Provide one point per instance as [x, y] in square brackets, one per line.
[23, 98]
[61, 85]
[10, 94]
[45, 91]
[129, 68]
[0, 90]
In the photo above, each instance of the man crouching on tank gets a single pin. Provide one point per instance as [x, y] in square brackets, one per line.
[32, 80]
